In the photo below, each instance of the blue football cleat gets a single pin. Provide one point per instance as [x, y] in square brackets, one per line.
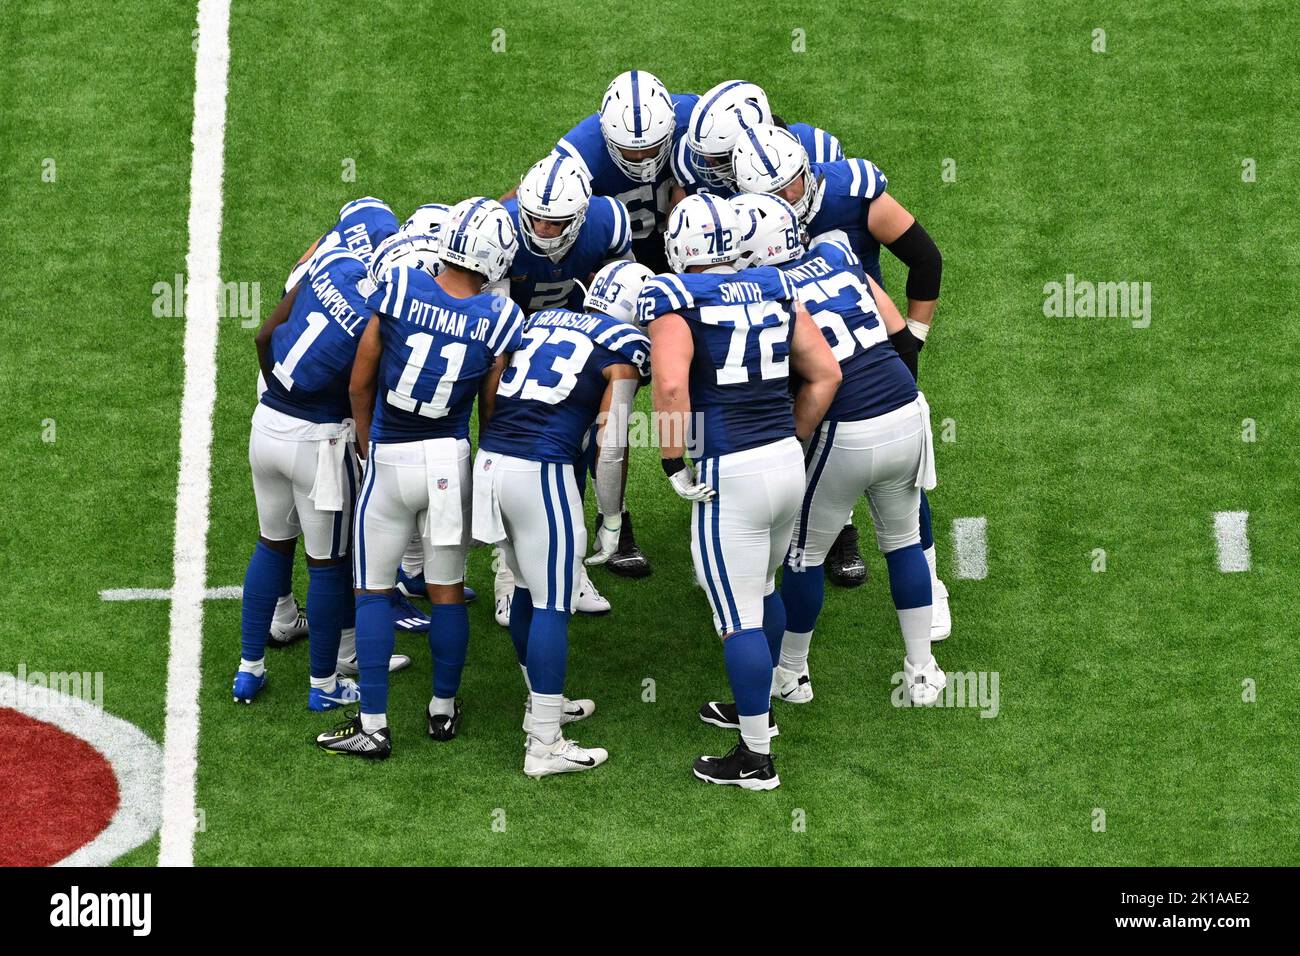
[470, 595]
[345, 691]
[406, 618]
[413, 586]
[247, 687]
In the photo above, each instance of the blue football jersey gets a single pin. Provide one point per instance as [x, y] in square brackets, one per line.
[550, 395]
[741, 323]
[834, 289]
[362, 225]
[820, 145]
[538, 283]
[436, 350]
[314, 348]
[647, 203]
[851, 185]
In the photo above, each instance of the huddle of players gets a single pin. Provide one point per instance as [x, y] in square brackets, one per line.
[783, 349]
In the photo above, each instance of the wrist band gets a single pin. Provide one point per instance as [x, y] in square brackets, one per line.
[672, 465]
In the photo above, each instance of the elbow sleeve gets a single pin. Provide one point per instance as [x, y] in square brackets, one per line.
[916, 250]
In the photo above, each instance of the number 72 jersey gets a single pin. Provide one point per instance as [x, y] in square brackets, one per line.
[436, 350]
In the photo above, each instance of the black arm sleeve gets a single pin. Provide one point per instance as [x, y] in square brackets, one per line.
[916, 250]
[907, 346]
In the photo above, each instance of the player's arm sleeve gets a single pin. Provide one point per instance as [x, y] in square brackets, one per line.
[616, 411]
[508, 334]
[916, 250]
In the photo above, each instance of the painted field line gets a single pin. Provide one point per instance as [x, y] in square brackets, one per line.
[190, 544]
[970, 543]
[231, 593]
[1232, 541]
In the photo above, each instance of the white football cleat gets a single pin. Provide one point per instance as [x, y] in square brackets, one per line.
[574, 710]
[925, 685]
[503, 586]
[791, 687]
[347, 666]
[562, 756]
[590, 601]
[941, 624]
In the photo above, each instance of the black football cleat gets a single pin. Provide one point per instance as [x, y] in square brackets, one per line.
[441, 727]
[349, 738]
[844, 564]
[723, 714]
[740, 767]
[627, 561]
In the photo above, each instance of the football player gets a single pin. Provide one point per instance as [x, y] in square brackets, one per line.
[724, 346]
[850, 197]
[431, 345]
[876, 436]
[573, 369]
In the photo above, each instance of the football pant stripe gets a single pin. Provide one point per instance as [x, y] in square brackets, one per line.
[822, 454]
[702, 537]
[715, 480]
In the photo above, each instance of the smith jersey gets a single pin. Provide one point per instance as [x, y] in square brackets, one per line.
[313, 350]
[741, 323]
[820, 145]
[647, 203]
[363, 224]
[850, 186]
[436, 350]
[550, 395]
[832, 287]
[538, 283]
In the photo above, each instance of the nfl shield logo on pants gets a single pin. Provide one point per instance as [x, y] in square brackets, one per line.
[442, 484]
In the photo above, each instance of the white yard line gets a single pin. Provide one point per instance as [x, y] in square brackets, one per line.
[970, 542]
[1233, 543]
[229, 593]
[189, 548]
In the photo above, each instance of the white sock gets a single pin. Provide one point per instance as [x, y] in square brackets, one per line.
[932, 560]
[754, 732]
[348, 644]
[547, 711]
[794, 651]
[446, 706]
[257, 668]
[523, 669]
[915, 622]
[286, 611]
[372, 722]
[325, 683]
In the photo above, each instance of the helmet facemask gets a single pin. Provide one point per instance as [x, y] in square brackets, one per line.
[641, 170]
[554, 248]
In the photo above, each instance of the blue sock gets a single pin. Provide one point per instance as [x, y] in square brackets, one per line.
[329, 604]
[774, 624]
[374, 648]
[548, 650]
[448, 644]
[927, 532]
[269, 576]
[749, 668]
[803, 593]
[909, 577]
[521, 619]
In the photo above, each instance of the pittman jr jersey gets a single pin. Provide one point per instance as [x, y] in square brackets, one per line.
[550, 395]
[831, 285]
[848, 189]
[536, 282]
[741, 323]
[436, 350]
[363, 224]
[820, 145]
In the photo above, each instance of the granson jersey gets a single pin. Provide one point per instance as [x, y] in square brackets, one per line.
[313, 350]
[436, 350]
[820, 145]
[850, 186]
[831, 285]
[741, 323]
[538, 283]
[647, 203]
[363, 224]
[550, 395]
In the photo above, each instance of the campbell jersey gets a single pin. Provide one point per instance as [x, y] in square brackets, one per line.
[363, 224]
[741, 323]
[647, 203]
[832, 286]
[538, 283]
[849, 188]
[820, 145]
[436, 350]
[313, 349]
[550, 395]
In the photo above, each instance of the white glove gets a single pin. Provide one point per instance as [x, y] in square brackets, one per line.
[684, 483]
[606, 540]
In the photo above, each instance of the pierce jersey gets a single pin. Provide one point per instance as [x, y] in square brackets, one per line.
[647, 203]
[538, 283]
[741, 323]
[820, 145]
[834, 290]
[436, 350]
[849, 188]
[362, 225]
[313, 349]
[550, 395]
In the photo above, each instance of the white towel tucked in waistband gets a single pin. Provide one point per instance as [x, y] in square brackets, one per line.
[444, 523]
[488, 525]
[327, 491]
[925, 476]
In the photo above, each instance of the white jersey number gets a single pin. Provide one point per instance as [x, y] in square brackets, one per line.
[520, 377]
[438, 406]
[734, 371]
[283, 371]
[821, 296]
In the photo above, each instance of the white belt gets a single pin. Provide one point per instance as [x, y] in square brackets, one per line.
[327, 492]
[925, 476]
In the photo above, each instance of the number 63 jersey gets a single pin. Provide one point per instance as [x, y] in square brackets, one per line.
[436, 350]
[741, 323]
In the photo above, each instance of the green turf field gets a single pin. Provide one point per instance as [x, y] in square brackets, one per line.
[1120, 691]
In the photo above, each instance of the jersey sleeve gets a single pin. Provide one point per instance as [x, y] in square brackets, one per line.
[834, 247]
[389, 293]
[625, 345]
[682, 166]
[508, 334]
[865, 180]
[620, 240]
[661, 295]
[585, 143]
[830, 146]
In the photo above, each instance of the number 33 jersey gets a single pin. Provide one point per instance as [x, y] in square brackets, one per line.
[741, 323]
[436, 350]
[551, 393]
